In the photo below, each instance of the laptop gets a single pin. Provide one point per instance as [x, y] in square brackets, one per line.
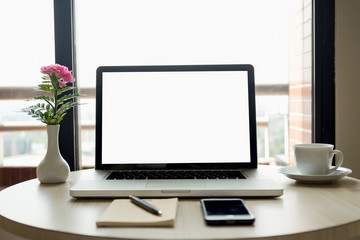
[176, 131]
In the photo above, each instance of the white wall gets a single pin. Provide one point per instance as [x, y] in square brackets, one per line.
[347, 82]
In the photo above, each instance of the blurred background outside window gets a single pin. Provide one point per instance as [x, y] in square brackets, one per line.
[273, 36]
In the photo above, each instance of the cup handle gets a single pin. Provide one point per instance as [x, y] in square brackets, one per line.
[339, 162]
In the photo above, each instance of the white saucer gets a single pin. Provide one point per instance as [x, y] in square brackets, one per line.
[293, 173]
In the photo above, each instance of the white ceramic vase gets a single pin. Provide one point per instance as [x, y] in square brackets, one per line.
[53, 168]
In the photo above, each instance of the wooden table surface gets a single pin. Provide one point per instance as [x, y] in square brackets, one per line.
[305, 211]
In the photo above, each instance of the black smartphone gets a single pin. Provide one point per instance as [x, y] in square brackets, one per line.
[226, 211]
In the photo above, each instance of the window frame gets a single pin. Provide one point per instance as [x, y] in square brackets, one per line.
[69, 142]
[323, 74]
[323, 80]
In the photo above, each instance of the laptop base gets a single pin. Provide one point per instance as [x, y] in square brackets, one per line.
[177, 188]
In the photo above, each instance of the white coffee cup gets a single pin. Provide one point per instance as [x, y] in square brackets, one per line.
[316, 158]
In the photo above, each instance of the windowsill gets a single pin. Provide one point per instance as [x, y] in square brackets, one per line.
[27, 160]
[34, 160]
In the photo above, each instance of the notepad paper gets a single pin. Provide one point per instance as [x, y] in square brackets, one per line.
[124, 213]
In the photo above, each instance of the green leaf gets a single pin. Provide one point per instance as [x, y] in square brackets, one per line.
[52, 122]
[48, 99]
[65, 107]
[64, 89]
[45, 111]
[45, 88]
[67, 97]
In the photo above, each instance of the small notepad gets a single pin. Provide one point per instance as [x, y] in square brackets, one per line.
[124, 213]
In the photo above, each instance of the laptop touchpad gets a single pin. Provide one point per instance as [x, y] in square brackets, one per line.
[175, 184]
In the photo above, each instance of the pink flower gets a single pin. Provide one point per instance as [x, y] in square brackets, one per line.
[62, 84]
[62, 73]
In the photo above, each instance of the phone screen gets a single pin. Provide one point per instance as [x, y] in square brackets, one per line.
[222, 211]
[228, 207]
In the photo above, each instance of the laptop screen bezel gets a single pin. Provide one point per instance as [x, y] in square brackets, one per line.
[176, 68]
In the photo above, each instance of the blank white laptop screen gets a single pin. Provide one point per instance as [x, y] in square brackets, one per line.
[175, 117]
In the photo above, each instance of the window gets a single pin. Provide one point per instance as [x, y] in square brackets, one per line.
[276, 38]
[27, 43]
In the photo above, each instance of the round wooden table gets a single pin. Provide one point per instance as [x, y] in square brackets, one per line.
[305, 211]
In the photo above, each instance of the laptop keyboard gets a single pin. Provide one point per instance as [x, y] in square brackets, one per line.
[176, 174]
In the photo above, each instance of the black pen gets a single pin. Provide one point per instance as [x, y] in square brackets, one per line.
[145, 205]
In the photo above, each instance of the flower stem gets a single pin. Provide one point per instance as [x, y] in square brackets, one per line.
[56, 99]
